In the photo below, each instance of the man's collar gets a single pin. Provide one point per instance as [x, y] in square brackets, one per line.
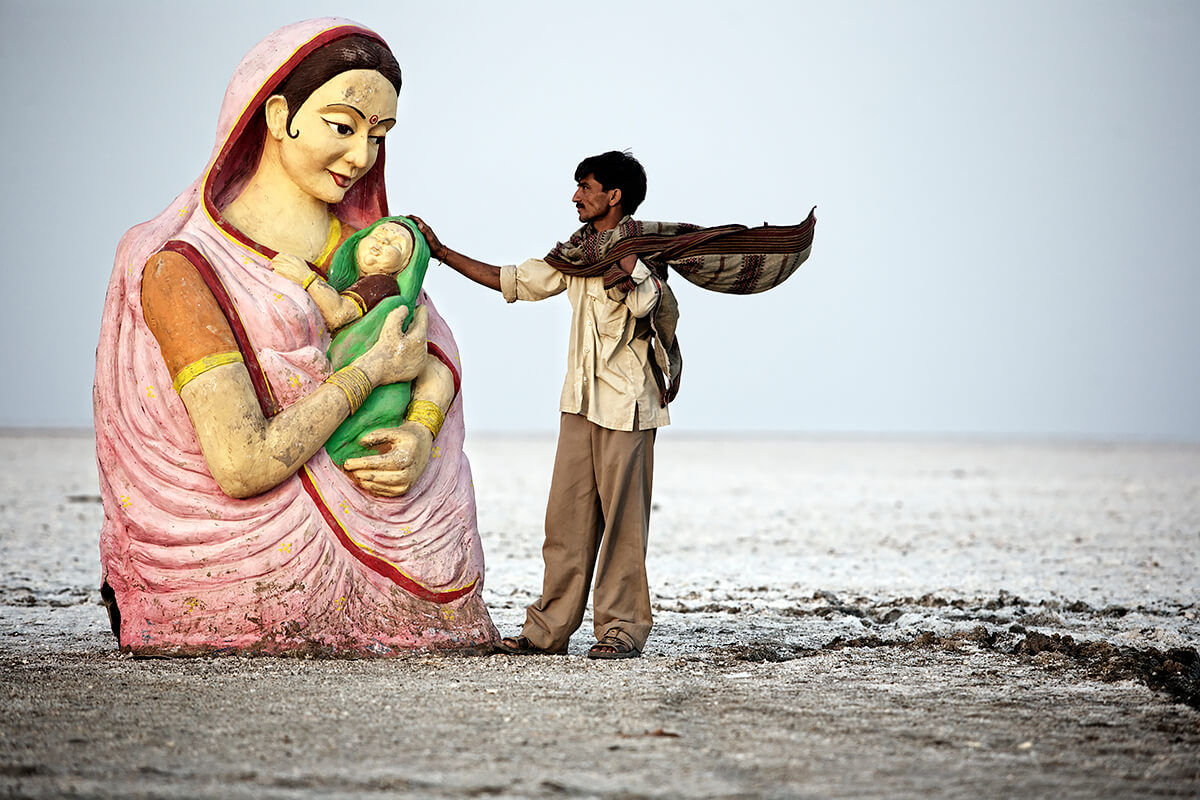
[591, 227]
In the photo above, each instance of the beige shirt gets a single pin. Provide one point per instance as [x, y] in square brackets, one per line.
[610, 375]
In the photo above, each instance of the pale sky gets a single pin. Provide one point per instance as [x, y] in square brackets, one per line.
[1006, 194]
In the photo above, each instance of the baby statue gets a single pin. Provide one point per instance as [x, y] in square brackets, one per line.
[376, 270]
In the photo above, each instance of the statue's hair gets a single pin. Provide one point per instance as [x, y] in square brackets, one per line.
[341, 55]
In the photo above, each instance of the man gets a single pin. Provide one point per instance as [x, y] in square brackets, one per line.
[623, 367]
[598, 515]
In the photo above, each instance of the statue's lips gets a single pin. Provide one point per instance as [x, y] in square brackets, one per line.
[340, 180]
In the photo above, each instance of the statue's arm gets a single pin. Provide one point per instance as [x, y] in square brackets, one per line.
[336, 309]
[246, 452]
[407, 448]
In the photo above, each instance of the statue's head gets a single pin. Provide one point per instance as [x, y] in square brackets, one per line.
[410, 257]
[385, 250]
[315, 110]
[329, 117]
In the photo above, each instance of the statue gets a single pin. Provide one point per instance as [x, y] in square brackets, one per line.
[391, 256]
[228, 526]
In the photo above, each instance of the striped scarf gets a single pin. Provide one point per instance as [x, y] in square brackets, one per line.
[731, 259]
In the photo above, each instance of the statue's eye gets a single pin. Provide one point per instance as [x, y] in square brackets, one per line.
[340, 128]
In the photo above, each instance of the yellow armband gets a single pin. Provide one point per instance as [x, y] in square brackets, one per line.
[203, 365]
[428, 414]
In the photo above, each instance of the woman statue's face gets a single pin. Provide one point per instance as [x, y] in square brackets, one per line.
[335, 136]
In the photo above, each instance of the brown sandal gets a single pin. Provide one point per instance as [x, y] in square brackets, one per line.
[521, 646]
[610, 646]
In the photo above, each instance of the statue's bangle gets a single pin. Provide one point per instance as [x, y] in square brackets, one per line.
[312, 276]
[354, 383]
[359, 303]
[427, 413]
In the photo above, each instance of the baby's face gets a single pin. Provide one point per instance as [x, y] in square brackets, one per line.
[385, 250]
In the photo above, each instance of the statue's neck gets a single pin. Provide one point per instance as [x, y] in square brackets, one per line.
[274, 212]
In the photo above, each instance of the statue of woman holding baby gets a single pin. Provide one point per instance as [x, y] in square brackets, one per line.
[228, 527]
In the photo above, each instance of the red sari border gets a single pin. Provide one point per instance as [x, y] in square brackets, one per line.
[373, 561]
[441, 356]
[262, 390]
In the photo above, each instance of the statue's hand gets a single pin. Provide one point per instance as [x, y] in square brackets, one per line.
[291, 267]
[397, 356]
[404, 454]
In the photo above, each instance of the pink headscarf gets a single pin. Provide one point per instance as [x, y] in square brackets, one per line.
[194, 570]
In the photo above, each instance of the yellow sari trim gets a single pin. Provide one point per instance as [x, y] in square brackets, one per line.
[198, 368]
[335, 233]
[358, 301]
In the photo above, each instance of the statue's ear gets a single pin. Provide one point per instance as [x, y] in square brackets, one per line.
[277, 114]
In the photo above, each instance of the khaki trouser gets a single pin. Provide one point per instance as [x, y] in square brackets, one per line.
[597, 520]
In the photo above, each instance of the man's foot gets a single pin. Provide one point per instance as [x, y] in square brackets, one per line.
[521, 646]
[611, 646]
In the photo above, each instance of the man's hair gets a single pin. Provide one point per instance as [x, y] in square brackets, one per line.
[617, 170]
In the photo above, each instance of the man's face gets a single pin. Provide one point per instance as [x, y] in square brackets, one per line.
[592, 200]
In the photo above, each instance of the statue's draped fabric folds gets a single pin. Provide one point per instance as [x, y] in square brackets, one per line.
[315, 564]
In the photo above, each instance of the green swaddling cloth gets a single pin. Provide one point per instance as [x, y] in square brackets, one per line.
[385, 406]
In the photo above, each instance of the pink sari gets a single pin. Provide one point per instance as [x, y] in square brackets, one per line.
[315, 565]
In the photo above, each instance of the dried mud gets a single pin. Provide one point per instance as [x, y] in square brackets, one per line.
[839, 619]
[1175, 671]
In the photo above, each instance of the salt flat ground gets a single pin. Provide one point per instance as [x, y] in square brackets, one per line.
[834, 618]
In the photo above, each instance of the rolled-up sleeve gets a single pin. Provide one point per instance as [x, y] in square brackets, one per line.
[640, 300]
[533, 279]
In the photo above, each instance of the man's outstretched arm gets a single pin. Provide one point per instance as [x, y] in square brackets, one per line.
[483, 274]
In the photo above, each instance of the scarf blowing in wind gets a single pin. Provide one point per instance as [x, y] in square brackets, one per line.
[731, 259]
